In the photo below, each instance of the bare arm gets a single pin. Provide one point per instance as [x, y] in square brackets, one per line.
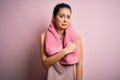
[49, 61]
[79, 67]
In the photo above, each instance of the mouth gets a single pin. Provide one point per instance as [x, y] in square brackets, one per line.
[64, 24]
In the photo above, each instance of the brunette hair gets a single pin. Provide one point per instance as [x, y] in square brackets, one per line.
[60, 5]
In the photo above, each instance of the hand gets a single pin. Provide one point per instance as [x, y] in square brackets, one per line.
[71, 46]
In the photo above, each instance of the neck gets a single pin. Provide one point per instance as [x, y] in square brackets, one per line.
[60, 32]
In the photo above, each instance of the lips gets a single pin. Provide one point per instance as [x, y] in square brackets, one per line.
[64, 24]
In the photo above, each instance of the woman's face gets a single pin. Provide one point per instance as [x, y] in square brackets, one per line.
[62, 19]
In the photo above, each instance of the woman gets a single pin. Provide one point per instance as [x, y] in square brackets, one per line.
[57, 47]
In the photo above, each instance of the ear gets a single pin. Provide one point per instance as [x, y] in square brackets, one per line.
[53, 19]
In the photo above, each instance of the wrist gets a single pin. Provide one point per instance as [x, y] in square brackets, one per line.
[65, 51]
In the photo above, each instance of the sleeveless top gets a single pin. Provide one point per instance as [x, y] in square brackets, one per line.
[61, 72]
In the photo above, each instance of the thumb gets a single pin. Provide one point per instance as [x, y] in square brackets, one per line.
[75, 42]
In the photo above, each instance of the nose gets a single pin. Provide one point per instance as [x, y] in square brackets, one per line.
[65, 19]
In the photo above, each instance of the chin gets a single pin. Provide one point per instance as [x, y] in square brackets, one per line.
[64, 27]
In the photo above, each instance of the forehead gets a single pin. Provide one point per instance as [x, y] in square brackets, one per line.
[64, 11]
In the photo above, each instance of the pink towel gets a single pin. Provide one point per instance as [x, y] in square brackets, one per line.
[54, 44]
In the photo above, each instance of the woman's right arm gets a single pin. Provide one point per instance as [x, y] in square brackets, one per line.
[50, 61]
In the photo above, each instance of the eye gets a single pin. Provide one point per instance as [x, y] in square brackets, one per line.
[68, 17]
[62, 16]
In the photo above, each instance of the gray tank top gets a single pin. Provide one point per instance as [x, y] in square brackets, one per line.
[61, 72]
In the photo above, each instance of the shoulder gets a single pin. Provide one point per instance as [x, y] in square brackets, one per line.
[79, 38]
[42, 36]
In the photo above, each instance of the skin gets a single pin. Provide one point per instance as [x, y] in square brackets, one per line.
[62, 20]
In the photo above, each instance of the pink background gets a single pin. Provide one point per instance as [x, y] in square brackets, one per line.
[22, 21]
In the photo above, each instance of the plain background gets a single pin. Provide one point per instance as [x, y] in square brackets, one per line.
[22, 21]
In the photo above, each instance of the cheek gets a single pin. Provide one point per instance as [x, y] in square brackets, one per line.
[58, 22]
[60, 19]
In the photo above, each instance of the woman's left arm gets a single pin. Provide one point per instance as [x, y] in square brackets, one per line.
[79, 66]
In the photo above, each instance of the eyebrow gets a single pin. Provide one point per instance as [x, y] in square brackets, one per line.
[64, 14]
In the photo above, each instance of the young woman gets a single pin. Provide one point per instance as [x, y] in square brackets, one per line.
[61, 47]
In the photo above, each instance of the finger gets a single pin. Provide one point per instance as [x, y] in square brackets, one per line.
[69, 43]
[75, 42]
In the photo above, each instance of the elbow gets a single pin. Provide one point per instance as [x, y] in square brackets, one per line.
[79, 64]
[45, 65]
